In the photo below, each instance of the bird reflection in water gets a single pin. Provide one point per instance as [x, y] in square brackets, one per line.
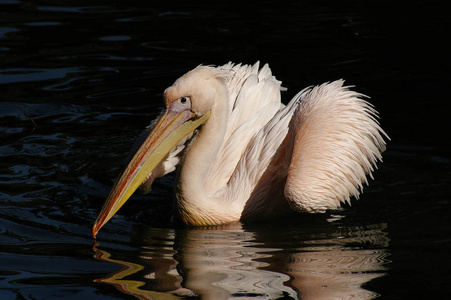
[230, 261]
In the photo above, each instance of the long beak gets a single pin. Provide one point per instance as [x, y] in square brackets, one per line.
[170, 129]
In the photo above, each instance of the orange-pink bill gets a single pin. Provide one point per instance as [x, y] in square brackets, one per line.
[170, 129]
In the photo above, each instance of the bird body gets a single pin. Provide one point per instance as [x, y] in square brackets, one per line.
[244, 155]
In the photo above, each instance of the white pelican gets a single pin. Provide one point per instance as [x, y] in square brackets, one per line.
[243, 155]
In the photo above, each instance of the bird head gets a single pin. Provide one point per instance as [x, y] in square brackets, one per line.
[189, 102]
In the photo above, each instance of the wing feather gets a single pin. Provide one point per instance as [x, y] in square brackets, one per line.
[261, 152]
[337, 142]
[254, 101]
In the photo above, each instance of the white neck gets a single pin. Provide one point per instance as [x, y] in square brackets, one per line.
[195, 205]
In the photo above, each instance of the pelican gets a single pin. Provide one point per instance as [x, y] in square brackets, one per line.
[243, 155]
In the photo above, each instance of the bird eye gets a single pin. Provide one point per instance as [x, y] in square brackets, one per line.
[183, 100]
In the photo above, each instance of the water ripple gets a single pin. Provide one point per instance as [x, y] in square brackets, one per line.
[30, 75]
[85, 9]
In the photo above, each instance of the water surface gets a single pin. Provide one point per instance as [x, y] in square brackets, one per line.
[80, 81]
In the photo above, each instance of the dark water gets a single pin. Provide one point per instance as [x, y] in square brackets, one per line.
[79, 81]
